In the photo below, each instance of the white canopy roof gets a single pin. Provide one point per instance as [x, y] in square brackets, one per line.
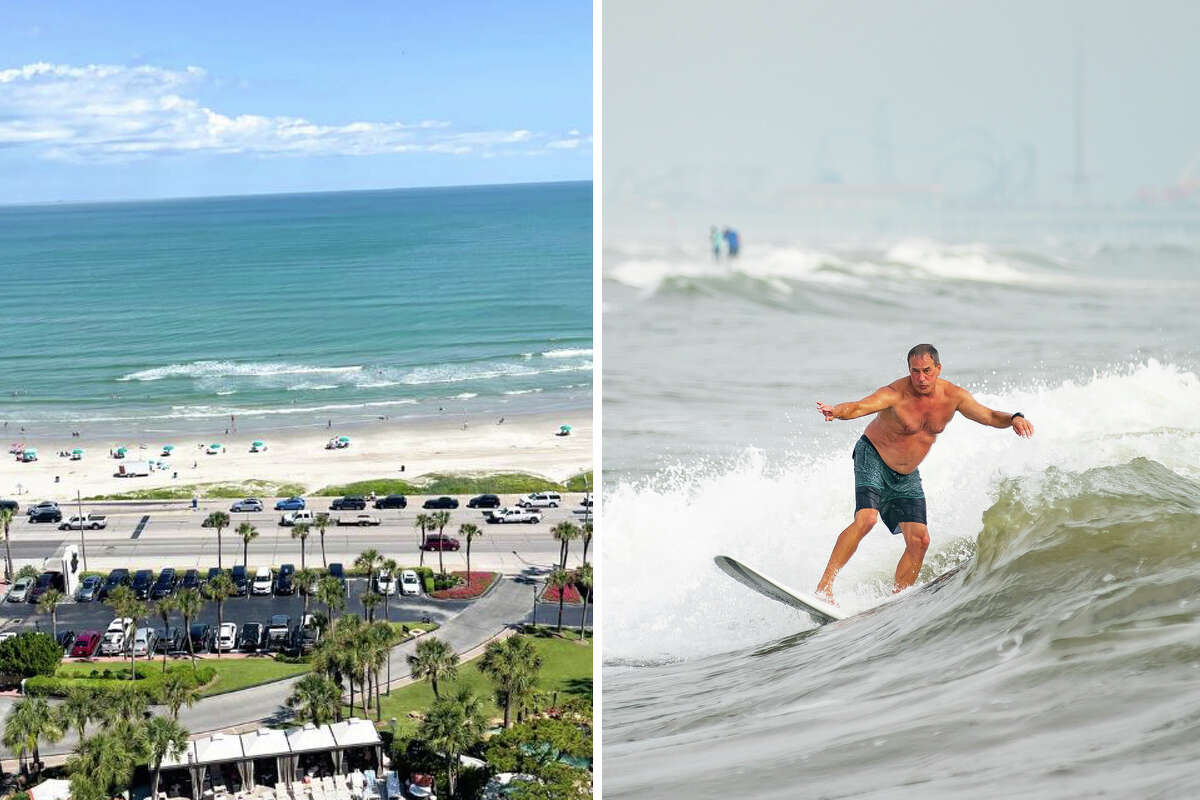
[218, 747]
[265, 742]
[310, 737]
[51, 789]
[354, 732]
[174, 759]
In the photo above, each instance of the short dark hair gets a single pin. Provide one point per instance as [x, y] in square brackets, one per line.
[925, 350]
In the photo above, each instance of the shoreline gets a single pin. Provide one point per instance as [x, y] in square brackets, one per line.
[388, 448]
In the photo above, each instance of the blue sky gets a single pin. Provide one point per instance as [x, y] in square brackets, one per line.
[139, 100]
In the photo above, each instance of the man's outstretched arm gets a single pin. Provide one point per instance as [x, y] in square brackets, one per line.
[975, 411]
[883, 398]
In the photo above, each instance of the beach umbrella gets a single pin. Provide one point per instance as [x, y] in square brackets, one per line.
[122, 450]
[345, 439]
[168, 448]
[564, 428]
[215, 445]
[257, 443]
[77, 451]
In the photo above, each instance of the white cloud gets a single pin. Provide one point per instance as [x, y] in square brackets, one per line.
[106, 112]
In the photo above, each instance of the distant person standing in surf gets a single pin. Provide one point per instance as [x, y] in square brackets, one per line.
[715, 236]
[912, 412]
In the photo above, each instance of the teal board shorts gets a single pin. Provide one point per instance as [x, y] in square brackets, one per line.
[897, 497]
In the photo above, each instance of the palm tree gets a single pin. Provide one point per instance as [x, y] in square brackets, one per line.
[125, 603]
[382, 637]
[441, 519]
[191, 603]
[321, 521]
[424, 522]
[31, 720]
[314, 699]
[6, 518]
[304, 579]
[583, 576]
[369, 601]
[587, 539]
[560, 579]
[79, 708]
[105, 762]
[160, 738]
[48, 604]
[220, 521]
[453, 725]
[164, 608]
[433, 659]
[220, 589]
[513, 665]
[300, 531]
[125, 708]
[248, 533]
[330, 592]
[564, 532]
[368, 562]
[179, 689]
[392, 569]
[469, 530]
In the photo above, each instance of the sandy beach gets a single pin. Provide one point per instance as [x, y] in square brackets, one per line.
[525, 443]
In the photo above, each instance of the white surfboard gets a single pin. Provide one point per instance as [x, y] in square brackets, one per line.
[821, 611]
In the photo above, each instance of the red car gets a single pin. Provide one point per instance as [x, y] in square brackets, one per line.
[438, 541]
[85, 644]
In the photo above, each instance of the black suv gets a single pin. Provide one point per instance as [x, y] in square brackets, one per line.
[45, 582]
[191, 580]
[484, 501]
[440, 502]
[201, 634]
[143, 579]
[348, 504]
[170, 641]
[285, 581]
[240, 581]
[251, 637]
[118, 577]
[42, 513]
[165, 585]
[212, 573]
[392, 501]
[336, 570]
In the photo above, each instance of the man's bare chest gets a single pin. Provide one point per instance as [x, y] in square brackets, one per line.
[910, 419]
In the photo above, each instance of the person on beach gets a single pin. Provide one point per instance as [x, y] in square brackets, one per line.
[912, 411]
[715, 236]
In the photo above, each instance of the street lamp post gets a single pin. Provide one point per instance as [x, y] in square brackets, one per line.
[82, 546]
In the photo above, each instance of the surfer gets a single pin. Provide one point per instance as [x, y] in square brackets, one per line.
[715, 236]
[911, 412]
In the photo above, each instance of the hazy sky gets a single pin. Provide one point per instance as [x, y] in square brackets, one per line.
[136, 99]
[973, 100]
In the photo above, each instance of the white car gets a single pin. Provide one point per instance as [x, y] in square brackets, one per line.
[263, 580]
[19, 593]
[385, 584]
[541, 500]
[227, 636]
[409, 583]
[116, 637]
[144, 641]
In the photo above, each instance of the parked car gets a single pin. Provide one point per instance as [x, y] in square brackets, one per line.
[440, 502]
[191, 580]
[19, 593]
[249, 504]
[263, 581]
[279, 633]
[165, 585]
[336, 570]
[348, 503]
[291, 504]
[118, 577]
[284, 583]
[440, 541]
[89, 587]
[143, 579]
[91, 522]
[50, 579]
[170, 640]
[241, 582]
[307, 635]
[227, 637]
[586, 502]
[85, 644]
[11, 505]
[116, 638]
[392, 501]
[484, 501]
[212, 573]
[201, 635]
[361, 520]
[40, 514]
[6, 635]
[42, 506]
[251, 639]
[144, 641]
[410, 584]
[541, 500]
[512, 515]
[65, 640]
[385, 584]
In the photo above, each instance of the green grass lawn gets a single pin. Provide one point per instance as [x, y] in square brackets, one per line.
[212, 491]
[230, 674]
[566, 668]
[449, 483]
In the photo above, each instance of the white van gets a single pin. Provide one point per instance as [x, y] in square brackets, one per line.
[263, 580]
[541, 500]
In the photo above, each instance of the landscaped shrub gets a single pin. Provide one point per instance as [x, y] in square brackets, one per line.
[480, 581]
[30, 654]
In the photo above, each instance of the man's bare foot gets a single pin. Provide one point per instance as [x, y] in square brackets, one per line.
[825, 593]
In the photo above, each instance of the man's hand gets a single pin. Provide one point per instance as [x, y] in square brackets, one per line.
[1022, 427]
[827, 411]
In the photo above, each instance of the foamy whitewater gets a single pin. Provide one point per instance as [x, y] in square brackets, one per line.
[1063, 660]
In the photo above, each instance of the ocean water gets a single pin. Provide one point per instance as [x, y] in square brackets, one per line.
[1061, 660]
[291, 310]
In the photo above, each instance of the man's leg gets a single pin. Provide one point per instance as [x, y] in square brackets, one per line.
[916, 542]
[847, 543]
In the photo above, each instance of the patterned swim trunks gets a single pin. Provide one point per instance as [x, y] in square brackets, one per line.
[897, 497]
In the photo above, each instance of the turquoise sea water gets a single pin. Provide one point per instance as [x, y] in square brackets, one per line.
[287, 310]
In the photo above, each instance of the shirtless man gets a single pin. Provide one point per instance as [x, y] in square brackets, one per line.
[912, 412]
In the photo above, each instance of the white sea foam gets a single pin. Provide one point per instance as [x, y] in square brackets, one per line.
[376, 384]
[226, 369]
[464, 396]
[568, 353]
[529, 391]
[454, 373]
[783, 516]
[313, 387]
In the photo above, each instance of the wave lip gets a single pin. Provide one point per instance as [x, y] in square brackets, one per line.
[568, 353]
[231, 369]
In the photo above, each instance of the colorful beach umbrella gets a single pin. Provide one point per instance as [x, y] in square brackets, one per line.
[257, 443]
[77, 451]
[343, 439]
[565, 428]
[168, 448]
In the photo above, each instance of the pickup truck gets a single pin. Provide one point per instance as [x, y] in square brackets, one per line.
[289, 518]
[528, 515]
[358, 519]
[92, 522]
